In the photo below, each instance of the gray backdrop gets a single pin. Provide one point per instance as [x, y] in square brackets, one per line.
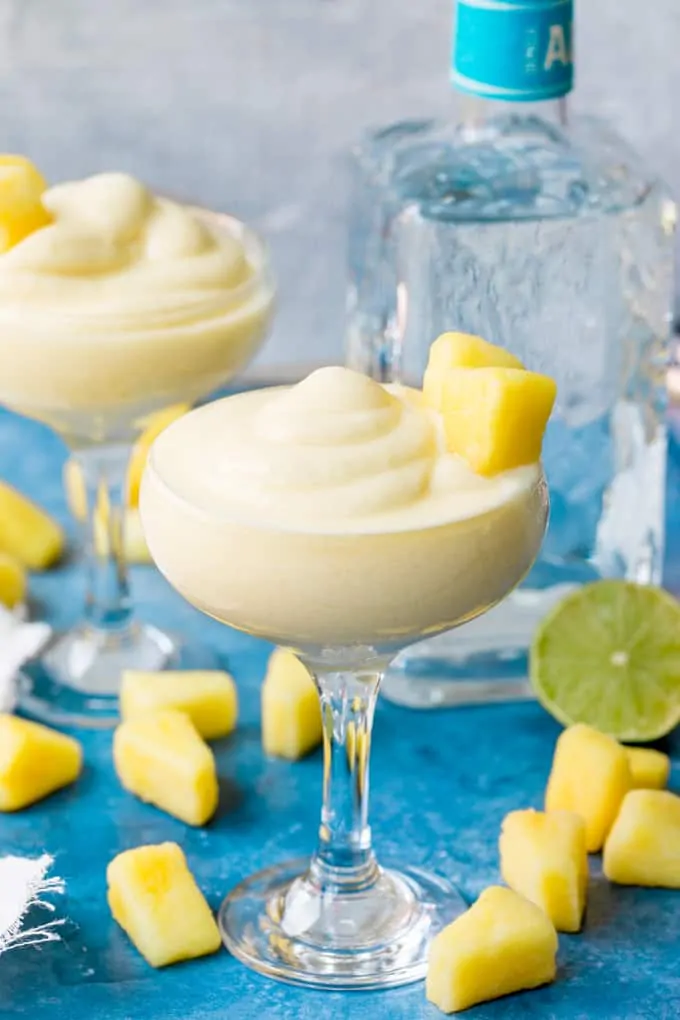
[250, 106]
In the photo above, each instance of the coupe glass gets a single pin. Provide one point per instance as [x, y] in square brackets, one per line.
[77, 678]
[345, 604]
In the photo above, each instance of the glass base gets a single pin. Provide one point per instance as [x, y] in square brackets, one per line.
[279, 922]
[76, 680]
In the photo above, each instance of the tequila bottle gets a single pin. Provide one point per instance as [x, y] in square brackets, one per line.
[550, 237]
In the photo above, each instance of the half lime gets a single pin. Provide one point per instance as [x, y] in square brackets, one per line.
[609, 655]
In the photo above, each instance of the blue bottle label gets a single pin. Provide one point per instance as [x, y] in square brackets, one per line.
[517, 50]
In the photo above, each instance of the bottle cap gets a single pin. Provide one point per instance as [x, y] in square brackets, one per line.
[515, 50]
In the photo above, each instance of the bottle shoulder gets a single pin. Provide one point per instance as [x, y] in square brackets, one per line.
[507, 166]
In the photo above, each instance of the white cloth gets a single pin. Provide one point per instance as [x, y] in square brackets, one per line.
[23, 886]
[19, 641]
[23, 882]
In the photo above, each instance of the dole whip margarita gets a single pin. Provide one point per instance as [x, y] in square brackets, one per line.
[115, 303]
[123, 302]
[332, 514]
[346, 519]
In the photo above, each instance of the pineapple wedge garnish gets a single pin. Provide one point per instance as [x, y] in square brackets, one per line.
[494, 412]
[495, 418]
[21, 208]
[460, 350]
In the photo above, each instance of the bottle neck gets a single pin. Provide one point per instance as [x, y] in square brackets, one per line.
[476, 113]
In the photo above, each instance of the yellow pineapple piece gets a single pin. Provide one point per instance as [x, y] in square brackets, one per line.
[649, 769]
[502, 944]
[161, 758]
[74, 486]
[76, 493]
[544, 858]
[208, 697]
[155, 424]
[12, 581]
[357, 749]
[106, 540]
[291, 712]
[135, 548]
[154, 898]
[21, 208]
[643, 847]
[134, 542]
[34, 762]
[590, 776]
[460, 350]
[27, 532]
[495, 418]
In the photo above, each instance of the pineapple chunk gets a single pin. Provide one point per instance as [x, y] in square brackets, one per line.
[495, 418]
[590, 776]
[154, 898]
[26, 531]
[76, 492]
[502, 944]
[161, 758]
[154, 425]
[543, 857]
[74, 482]
[643, 847]
[135, 548]
[74, 487]
[134, 543]
[357, 750]
[291, 712]
[208, 697]
[12, 581]
[460, 350]
[649, 769]
[34, 762]
[21, 208]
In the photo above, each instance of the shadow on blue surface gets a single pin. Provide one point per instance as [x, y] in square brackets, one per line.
[442, 783]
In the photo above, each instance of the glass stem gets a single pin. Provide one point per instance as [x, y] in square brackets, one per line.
[344, 859]
[107, 600]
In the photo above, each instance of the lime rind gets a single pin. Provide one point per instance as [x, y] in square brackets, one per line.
[609, 655]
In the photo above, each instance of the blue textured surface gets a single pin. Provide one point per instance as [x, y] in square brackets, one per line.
[442, 783]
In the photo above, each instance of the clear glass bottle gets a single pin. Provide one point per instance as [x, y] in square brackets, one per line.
[550, 238]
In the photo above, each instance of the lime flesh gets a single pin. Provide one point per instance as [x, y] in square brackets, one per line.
[609, 655]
